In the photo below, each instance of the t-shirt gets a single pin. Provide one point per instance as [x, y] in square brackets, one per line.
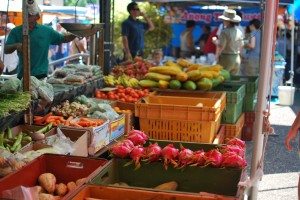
[232, 40]
[41, 37]
[134, 30]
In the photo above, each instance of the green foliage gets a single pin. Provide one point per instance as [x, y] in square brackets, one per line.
[155, 39]
[81, 3]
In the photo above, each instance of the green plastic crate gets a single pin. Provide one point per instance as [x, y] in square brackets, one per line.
[250, 102]
[250, 81]
[223, 181]
[232, 112]
[235, 92]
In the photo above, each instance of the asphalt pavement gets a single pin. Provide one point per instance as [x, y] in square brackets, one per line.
[281, 167]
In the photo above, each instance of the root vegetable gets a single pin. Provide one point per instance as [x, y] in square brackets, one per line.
[61, 189]
[71, 186]
[80, 181]
[167, 186]
[47, 181]
[43, 196]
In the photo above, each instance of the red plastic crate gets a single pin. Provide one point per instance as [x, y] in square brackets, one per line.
[247, 132]
[249, 117]
[65, 168]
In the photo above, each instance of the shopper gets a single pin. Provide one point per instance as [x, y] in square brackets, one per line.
[41, 37]
[203, 38]
[10, 60]
[78, 45]
[251, 59]
[133, 31]
[230, 42]
[187, 47]
[157, 57]
[292, 134]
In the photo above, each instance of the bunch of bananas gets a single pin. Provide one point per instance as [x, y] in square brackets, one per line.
[124, 80]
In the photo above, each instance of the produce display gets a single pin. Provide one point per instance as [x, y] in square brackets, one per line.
[9, 165]
[137, 69]
[13, 143]
[17, 102]
[67, 109]
[75, 74]
[123, 80]
[49, 188]
[184, 75]
[123, 94]
[230, 155]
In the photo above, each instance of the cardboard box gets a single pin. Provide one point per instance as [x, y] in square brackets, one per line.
[117, 128]
[79, 137]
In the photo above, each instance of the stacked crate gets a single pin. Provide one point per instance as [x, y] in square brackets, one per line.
[232, 117]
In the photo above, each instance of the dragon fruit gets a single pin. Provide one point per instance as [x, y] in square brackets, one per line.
[185, 157]
[169, 154]
[234, 148]
[128, 143]
[238, 142]
[231, 159]
[213, 158]
[136, 155]
[137, 137]
[120, 150]
[153, 153]
[198, 158]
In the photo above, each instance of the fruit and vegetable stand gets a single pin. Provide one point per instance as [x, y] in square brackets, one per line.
[190, 118]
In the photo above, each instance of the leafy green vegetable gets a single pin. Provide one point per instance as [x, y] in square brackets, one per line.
[14, 102]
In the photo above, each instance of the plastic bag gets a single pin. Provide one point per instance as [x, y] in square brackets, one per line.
[21, 192]
[46, 91]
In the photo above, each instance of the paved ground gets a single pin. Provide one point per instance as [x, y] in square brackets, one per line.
[281, 167]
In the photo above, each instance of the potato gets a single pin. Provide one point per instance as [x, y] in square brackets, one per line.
[80, 181]
[47, 181]
[43, 196]
[71, 186]
[61, 189]
[167, 186]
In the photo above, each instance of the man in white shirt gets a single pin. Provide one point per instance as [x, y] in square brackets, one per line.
[10, 60]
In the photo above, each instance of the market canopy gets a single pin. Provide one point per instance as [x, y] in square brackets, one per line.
[216, 2]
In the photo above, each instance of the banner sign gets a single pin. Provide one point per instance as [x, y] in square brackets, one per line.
[179, 15]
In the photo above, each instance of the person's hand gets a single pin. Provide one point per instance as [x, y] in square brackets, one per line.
[128, 56]
[290, 137]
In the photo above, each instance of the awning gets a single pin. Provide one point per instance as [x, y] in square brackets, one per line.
[216, 2]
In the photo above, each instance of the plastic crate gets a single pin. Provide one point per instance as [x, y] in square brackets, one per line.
[232, 112]
[250, 81]
[117, 193]
[234, 130]
[178, 108]
[190, 180]
[180, 130]
[235, 92]
[250, 102]
[194, 94]
[220, 137]
[65, 169]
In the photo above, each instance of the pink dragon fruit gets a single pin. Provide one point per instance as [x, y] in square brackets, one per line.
[238, 142]
[120, 150]
[234, 148]
[169, 154]
[213, 158]
[153, 153]
[198, 158]
[136, 155]
[128, 143]
[137, 137]
[185, 157]
[231, 159]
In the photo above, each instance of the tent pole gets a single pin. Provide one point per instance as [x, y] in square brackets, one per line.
[292, 46]
[263, 87]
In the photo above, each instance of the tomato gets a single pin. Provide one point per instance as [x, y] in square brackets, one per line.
[122, 99]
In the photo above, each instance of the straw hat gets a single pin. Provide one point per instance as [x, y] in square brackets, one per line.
[33, 8]
[230, 15]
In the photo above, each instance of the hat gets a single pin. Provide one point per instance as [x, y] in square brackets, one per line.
[33, 8]
[230, 15]
[10, 26]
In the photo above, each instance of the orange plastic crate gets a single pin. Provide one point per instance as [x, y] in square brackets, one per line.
[181, 130]
[178, 108]
[234, 130]
[194, 94]
[117, 193]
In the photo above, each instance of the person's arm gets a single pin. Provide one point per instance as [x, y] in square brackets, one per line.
[251, 44]
[80, 45]
[10, 48]
[149, 22]
[190, 42]
[292, 132]
[220, 45]
[128, 55]
[68, 37]
[1, 67]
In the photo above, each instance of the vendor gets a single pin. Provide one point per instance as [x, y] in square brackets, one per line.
[230, 42]
[41, 37]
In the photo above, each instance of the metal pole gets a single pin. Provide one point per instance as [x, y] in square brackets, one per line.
[26, 55]
[292, 46]
[265, 69]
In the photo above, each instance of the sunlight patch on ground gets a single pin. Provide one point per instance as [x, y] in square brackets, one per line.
[282, 115]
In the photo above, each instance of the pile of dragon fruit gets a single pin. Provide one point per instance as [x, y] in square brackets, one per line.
[231, 155]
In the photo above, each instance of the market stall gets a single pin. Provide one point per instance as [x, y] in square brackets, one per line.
[188, 139]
